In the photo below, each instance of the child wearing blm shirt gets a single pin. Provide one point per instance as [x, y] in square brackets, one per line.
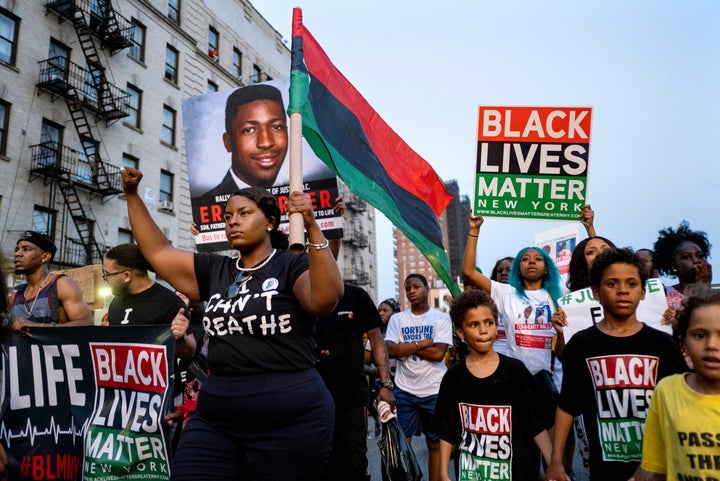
[610, 372]
[489, 404]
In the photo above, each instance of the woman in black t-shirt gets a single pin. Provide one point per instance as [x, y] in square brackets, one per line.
[264, 412]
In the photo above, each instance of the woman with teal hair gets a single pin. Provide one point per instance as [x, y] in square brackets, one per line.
[526, 303]
[551, 280]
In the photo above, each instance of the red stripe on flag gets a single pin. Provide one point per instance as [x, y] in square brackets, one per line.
[400, 161]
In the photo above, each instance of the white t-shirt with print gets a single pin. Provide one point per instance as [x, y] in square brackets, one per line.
[500, 343]
[527, 340]
[415, 375]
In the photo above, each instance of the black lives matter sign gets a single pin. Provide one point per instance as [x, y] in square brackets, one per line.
[532, 162]
[87, 403]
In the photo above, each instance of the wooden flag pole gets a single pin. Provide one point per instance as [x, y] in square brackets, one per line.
[297, 228]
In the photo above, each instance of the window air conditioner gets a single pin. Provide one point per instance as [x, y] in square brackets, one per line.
[166, 205]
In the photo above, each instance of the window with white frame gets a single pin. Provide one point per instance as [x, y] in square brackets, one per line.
[4, 123]
[168, 126]
[43, 220]
[237, 63]
[173, 11]
[166, 186]
[130, 161]
[171, 64]
[213, 43]
[8, 36]
[137, 49]
[133, 105]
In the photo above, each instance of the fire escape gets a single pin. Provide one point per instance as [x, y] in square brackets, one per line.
[85, 90]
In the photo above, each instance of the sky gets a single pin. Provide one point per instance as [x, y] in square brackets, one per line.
[650, 70]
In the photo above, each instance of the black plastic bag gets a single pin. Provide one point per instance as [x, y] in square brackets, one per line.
[398, 461]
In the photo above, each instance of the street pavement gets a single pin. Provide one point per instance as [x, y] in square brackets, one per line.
[373, 455]
[420, 449]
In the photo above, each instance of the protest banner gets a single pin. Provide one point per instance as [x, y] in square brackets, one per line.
[559, 244]
[210, 156]
[584, 311]
[88, 403]
[532, 162]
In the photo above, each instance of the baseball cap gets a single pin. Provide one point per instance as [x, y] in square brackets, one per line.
[43, 241]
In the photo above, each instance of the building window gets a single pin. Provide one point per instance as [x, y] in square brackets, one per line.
[133, 106]
[213, 43]
[4, 122]
[43, 221]
[125, 236]
[257, 74]
[90, 90]
[130, 161]
[237, 63]
[51, 135]
[212, 87]
[59, 60]
[88, 155]
[137, 49]
[171, 64]
[50, 132]
[96, 14]
[166, 186]
[8, 36]
[174, 10]
[168, 126]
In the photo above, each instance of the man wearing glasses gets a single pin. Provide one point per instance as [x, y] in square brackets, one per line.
[45, 299]
[137, 300]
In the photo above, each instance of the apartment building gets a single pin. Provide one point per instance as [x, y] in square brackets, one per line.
[90, 86]
[454, 226]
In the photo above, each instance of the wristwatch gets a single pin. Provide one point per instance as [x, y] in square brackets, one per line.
[387, 384]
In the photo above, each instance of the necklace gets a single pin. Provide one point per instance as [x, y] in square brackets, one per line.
[259, 266]
[37, 294]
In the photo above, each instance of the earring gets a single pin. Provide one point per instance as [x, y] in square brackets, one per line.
[269, 229]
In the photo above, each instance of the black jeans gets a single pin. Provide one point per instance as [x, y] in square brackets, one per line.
[348, 458]
[266, 427]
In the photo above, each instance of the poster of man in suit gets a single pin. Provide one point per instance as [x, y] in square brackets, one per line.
[239, 138]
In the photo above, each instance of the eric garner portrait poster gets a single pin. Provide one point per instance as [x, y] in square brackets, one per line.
[239, 138]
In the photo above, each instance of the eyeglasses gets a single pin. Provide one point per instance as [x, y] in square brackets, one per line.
[106, 274]
[234, 288]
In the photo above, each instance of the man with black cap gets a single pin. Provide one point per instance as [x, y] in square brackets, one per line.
[46, 299]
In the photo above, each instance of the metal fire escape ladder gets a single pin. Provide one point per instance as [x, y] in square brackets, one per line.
[87, 141]
[67, 186]
[112, 33]
[101, 98]
[83, 224]
[106, 100]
